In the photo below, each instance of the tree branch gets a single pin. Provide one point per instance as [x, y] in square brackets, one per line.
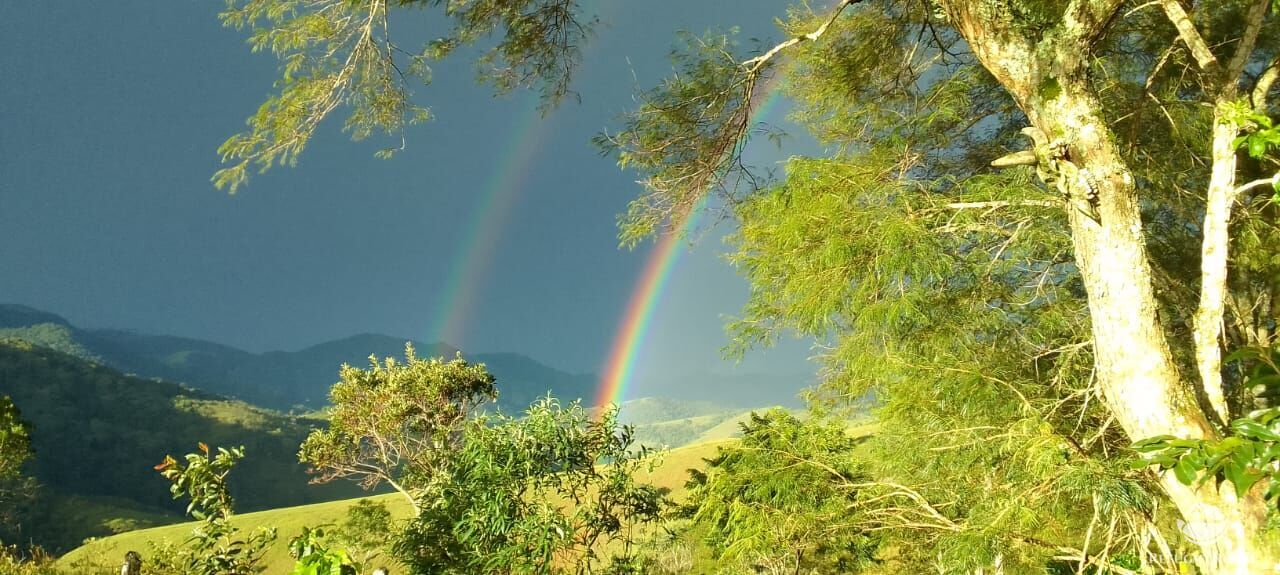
[1190, 36]
[1263, 87]
[1272, 181]
[754, 64]
[1253, 25]
[1086, 19]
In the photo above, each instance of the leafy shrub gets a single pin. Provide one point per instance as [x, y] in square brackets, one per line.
[215, 547]
[367, 530]
[34, 561]
[781, 498]
[314, 556]
[551, 492]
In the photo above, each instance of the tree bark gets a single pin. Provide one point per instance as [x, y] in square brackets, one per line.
[1219, 201]
[1140, 383]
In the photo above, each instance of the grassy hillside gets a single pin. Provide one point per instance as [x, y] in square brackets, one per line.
[662, 422]
[289, 521]
[96, 434]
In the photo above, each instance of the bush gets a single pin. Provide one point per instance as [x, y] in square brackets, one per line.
[551, 492]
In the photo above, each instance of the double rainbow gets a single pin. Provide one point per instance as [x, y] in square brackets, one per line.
[472, 262]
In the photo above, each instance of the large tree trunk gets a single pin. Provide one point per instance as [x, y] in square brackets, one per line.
[1139, 381]
[1135, 369]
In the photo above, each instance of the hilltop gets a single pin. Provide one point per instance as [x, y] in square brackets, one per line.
[281, 380]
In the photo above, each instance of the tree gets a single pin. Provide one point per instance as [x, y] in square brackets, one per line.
[1022, 317]
[554, 491]
[16, 489]
[920, 263]
[393, 422]
[15, 440]
[367, 531]
[785, 495]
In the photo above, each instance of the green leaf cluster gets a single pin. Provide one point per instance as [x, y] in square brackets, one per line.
[554, 491]
[391, 421]
[339, 54]
[786, 494]
[1249, 456]
[1260, 134]
[314, 557]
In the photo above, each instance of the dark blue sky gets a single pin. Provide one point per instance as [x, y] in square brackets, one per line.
[110, 113]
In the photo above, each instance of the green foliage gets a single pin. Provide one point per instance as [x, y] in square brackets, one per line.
[786, 494]
[554, 491]
[367, 530]
[216, 546]
[390, 423]
[1249, 456]
[16, 489]
[315, 557]
[687, 134]
[1260, 135]
[339, 53]
[15, 440]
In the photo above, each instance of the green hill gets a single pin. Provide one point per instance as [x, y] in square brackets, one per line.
[97, 433]
[282, 380]
[663, 422]
[672, 473]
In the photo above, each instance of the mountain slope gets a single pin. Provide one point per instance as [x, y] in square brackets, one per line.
[282, 380]
[97, 433]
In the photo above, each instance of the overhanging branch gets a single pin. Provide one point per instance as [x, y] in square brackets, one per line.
[1253, 26]
[754, 65]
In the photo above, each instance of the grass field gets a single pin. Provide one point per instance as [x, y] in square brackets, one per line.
[289, 521]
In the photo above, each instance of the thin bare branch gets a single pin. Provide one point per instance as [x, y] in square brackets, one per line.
[1004, 204]
[1272, 181]
[755, 64]
[1253, 25]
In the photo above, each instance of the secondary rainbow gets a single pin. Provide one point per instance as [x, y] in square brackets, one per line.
[483, 230]
[633, 330]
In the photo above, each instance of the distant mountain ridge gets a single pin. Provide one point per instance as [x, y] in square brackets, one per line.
[96, 433]
[282, 380]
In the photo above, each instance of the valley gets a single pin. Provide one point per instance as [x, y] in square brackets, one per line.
[96, 431]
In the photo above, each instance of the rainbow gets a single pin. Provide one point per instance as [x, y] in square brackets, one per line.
[634, 328]
[471, 262]
[483, 229]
